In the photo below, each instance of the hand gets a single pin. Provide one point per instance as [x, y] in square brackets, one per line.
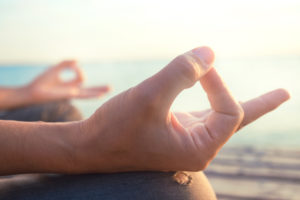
[135, 130]
[50, 87]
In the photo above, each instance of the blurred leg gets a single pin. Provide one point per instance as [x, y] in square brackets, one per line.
[134, 185]
[61, 111]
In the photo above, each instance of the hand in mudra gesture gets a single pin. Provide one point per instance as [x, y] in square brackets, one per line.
[135, 130]
[50, 86]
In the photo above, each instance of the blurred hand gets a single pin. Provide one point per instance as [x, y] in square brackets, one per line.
[135, 130]
[49, 86]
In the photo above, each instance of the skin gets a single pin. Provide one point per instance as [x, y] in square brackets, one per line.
[50, 87]
[135, 130]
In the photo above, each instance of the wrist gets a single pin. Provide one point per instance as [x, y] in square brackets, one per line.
[52, 148]
[98, 150]
[38, 147]
[69, 139]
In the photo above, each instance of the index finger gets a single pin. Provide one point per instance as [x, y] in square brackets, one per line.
[73, 65]
[226, 114]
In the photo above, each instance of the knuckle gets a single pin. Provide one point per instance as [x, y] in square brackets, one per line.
[239, 113]
[186, 68]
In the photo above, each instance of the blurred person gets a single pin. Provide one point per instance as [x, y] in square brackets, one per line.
[134, 133]
[46, 97]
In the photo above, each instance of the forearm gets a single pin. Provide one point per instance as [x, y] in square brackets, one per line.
[33, 147]
[13, 97]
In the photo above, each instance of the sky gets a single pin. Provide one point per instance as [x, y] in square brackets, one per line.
[35, 31]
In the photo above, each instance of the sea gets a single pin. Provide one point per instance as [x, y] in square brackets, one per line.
[246, 77]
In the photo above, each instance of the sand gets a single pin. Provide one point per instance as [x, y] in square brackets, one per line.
[251, 173]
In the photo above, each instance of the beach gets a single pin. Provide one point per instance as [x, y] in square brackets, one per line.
[248, 173]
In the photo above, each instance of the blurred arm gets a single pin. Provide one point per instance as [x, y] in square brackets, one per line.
[14, 97]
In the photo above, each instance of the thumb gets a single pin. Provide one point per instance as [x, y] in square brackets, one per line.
[181, 73]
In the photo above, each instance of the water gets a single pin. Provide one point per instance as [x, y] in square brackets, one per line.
[246, 78]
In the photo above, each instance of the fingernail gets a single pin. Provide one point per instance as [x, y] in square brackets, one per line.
[205, 54]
